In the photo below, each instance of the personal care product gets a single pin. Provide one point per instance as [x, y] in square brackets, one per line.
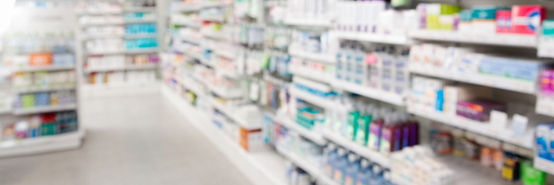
[526, 19]
[544, 157]
[352, 170]
[375, 134]
[504, 21]
[478, 110]
[510, 170]
[531, 175]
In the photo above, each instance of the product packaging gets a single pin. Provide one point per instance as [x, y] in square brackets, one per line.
[526, 19]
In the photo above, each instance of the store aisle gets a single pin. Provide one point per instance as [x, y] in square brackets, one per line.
[136, 140]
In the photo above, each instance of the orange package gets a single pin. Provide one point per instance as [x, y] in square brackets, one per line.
[40, 59]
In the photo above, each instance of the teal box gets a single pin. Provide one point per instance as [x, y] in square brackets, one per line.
[465, 15]
[488, 13]
[548, 28]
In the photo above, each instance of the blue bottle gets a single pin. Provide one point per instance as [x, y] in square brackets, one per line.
[350, 177]
[330, 159]
[364, 173]
[376, 175]
[340, 166]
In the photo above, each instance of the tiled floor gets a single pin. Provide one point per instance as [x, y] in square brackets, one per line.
[134, 140]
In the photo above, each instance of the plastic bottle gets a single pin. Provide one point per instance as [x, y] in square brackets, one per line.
[21, 129]
[376, 175]
[340, 166]
[363, 125]
[352, 170]
[375, 132]
[330, 159]
[364, 174]
[387, 134]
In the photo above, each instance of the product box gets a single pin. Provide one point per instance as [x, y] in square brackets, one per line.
[526, 19]
[251, 140]
[544, 156]
[504, 21]
[40, 59]
[547, 81]
[511, 68]
[548, 28]
[530, 175]
[478, 110]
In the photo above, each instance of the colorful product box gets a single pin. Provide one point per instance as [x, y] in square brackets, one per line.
[547, 81]
[478, 110]
[548, 28]
[544, 156]
[511, 68]
[504, 21]
[526, 19]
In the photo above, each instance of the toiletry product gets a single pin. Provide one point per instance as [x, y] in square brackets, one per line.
[526, 19]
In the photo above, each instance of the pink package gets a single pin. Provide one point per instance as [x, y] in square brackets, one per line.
[504, 21]
[526, 19]
[547, 81]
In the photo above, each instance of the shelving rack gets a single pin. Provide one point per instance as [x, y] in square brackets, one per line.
[103, 84]
[44, 20]
[322, 136]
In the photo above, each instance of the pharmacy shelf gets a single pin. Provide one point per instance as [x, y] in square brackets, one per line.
[469, 172]
[98, 12]
[545, 105]
[44, 68]
[42, 144]
[307, 22]
[230, 112]
[223, 93]
[311, 74]
[379, 158]
[139, 9]
[44, 89]
[482, 128]
[122, 68]
[213, 19]
[38, 110]
[314, 99]
[5, 111]
[508, 40]
[115, 36]
[262, 166]
[388, 97]
[373, 37]
[191, 85]
[119, 89]
[499, 82]
[327, 58]
[186, 23]
[312, 135]
[188, 7]
[312, 169]
[121, 52]
[138, 21]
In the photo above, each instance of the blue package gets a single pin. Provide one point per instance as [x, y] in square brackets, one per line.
[544, 157]
[510, 68]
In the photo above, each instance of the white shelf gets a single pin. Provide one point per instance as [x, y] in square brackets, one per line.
[45, 89]
[44, 68]
[187, 23]
[317, 57]
[307, 22]
[223, 93]
[377, 94]
[231, 113]
[125, 36]
[116, 90]
[312, 169]
[373, 37]
[38, 110]
[312, 135]
[262, 167]
[42, 144]
[306, 72]
[482, 128]
[131, 51]
[191, 85]
[314, 99]
[516, 85]
[545, 105]
[188, 7]
[122, 68]
[140, 9]
[509, 40]
[363, 151]
[138, 21]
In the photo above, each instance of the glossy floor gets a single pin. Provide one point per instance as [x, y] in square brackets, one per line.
[134, 140]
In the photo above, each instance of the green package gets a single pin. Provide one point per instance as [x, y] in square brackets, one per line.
[352, 124]
[531, 175]
[363, 129]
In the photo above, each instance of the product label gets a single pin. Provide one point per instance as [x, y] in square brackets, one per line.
[337, 176]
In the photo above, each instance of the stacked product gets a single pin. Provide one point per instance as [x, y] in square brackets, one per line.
[316, 11]
[348, 168]
[512, 162]
[44, 99]
[377, 66]
[380, 129]
[418, 165]
[43, 80]
[297, 176]
[39, 126]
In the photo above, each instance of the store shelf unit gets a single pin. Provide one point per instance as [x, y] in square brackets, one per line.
[42, 144]
[318, 57]
[373, 37]
[313, 135]
[314, 99]
[485, 129]
[505, 83]
[388, 97]
[49, 29]
[262, 167]
[507, 40]
[371, 155]
[309, 167]
[231, 113]
[137, 41]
